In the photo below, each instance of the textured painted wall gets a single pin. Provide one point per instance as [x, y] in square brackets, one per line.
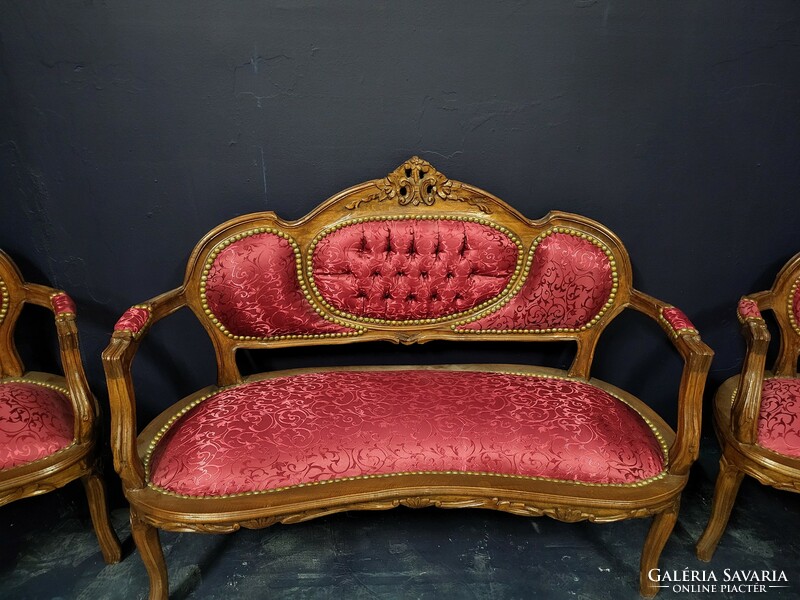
[127, 130]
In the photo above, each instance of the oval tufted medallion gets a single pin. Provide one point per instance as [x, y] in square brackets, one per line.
[408, 269]
[319, 427]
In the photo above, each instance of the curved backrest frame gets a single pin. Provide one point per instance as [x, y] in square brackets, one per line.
[412, 193]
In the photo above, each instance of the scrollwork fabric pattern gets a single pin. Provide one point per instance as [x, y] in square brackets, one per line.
[252, 288]
[779, 417]
[318, 427]
[35, 421]
[569, 283]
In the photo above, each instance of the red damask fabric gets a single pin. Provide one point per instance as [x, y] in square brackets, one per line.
[677, 319]
[325, 426]
[133, 320]
[796, 304]
[35, 421]
[748, 309]
[252, 289]
[570, 281]
[412, 269]
[63, 304]
[779, 418]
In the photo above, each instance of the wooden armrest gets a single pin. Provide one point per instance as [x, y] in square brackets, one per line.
[697, 360]
[117, 360]
[83, 401]
[747, 403]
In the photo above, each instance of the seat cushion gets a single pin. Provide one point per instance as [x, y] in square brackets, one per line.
[36, 420]
[319, 427]
[779, 418]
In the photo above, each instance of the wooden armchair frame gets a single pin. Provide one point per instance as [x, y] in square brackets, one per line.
[152, 510]
[737, 404]
[79, 460]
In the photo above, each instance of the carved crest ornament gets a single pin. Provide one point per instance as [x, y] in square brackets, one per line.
[416, 182]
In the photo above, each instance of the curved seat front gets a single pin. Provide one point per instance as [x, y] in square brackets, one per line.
[317, 428]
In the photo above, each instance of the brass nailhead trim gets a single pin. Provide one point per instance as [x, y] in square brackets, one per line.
[594, 320]
[790, 308]
[504, 230]
[166, 427]
[743, 319]
[675, 332]
[51, 386]
[299, 266]
[136, 334]
[53, 295]
[4, 301]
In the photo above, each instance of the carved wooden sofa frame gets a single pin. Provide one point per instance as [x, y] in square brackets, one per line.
[753, 414]
[61, 408]
[414, 198]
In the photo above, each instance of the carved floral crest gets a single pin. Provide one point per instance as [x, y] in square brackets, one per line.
[416, 182]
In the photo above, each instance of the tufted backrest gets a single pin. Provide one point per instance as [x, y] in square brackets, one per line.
[410, 257]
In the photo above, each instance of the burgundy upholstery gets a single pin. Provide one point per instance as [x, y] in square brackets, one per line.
[677, 320]
[796, 305]
[748, 309]
[133, 319]
[569, 283]
[35, 422]
[412, 268]
[319, 427]
[252, 288]
[63, 304]
[779, 418]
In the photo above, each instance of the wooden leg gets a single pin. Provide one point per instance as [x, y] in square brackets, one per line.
[656, 540]
[98, 508]
[146, 538]
[728, 482]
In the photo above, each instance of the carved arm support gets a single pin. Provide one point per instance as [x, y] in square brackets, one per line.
[84, 404]
[117, 360]
[747, 403]
[697, 360]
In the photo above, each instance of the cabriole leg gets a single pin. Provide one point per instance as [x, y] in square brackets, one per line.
[146, 538]
[727, 486]
[656, 540]
[98, 508]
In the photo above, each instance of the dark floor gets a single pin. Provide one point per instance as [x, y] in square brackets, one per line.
[47, 550]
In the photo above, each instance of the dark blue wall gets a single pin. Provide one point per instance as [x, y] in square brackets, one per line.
[128, 129]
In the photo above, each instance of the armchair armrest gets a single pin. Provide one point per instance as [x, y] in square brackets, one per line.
[84, 403]
[747, 403]
[697, 360]
[117, 359]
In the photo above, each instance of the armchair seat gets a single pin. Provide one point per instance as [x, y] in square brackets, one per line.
[320, 428]
[36, 421]
[779, 417]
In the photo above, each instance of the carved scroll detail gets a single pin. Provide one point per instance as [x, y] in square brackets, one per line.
[560, 513]
[416, 182]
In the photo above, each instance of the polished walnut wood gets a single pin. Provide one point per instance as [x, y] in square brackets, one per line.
[80, 460]
[737, 404]
[415, 188]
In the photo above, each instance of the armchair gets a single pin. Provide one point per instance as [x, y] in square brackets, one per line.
[48, 422]
[757, 413]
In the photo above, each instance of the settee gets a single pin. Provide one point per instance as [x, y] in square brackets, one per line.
[407, 258]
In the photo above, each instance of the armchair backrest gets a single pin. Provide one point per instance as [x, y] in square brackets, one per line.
[15, 292]
[784, 301]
